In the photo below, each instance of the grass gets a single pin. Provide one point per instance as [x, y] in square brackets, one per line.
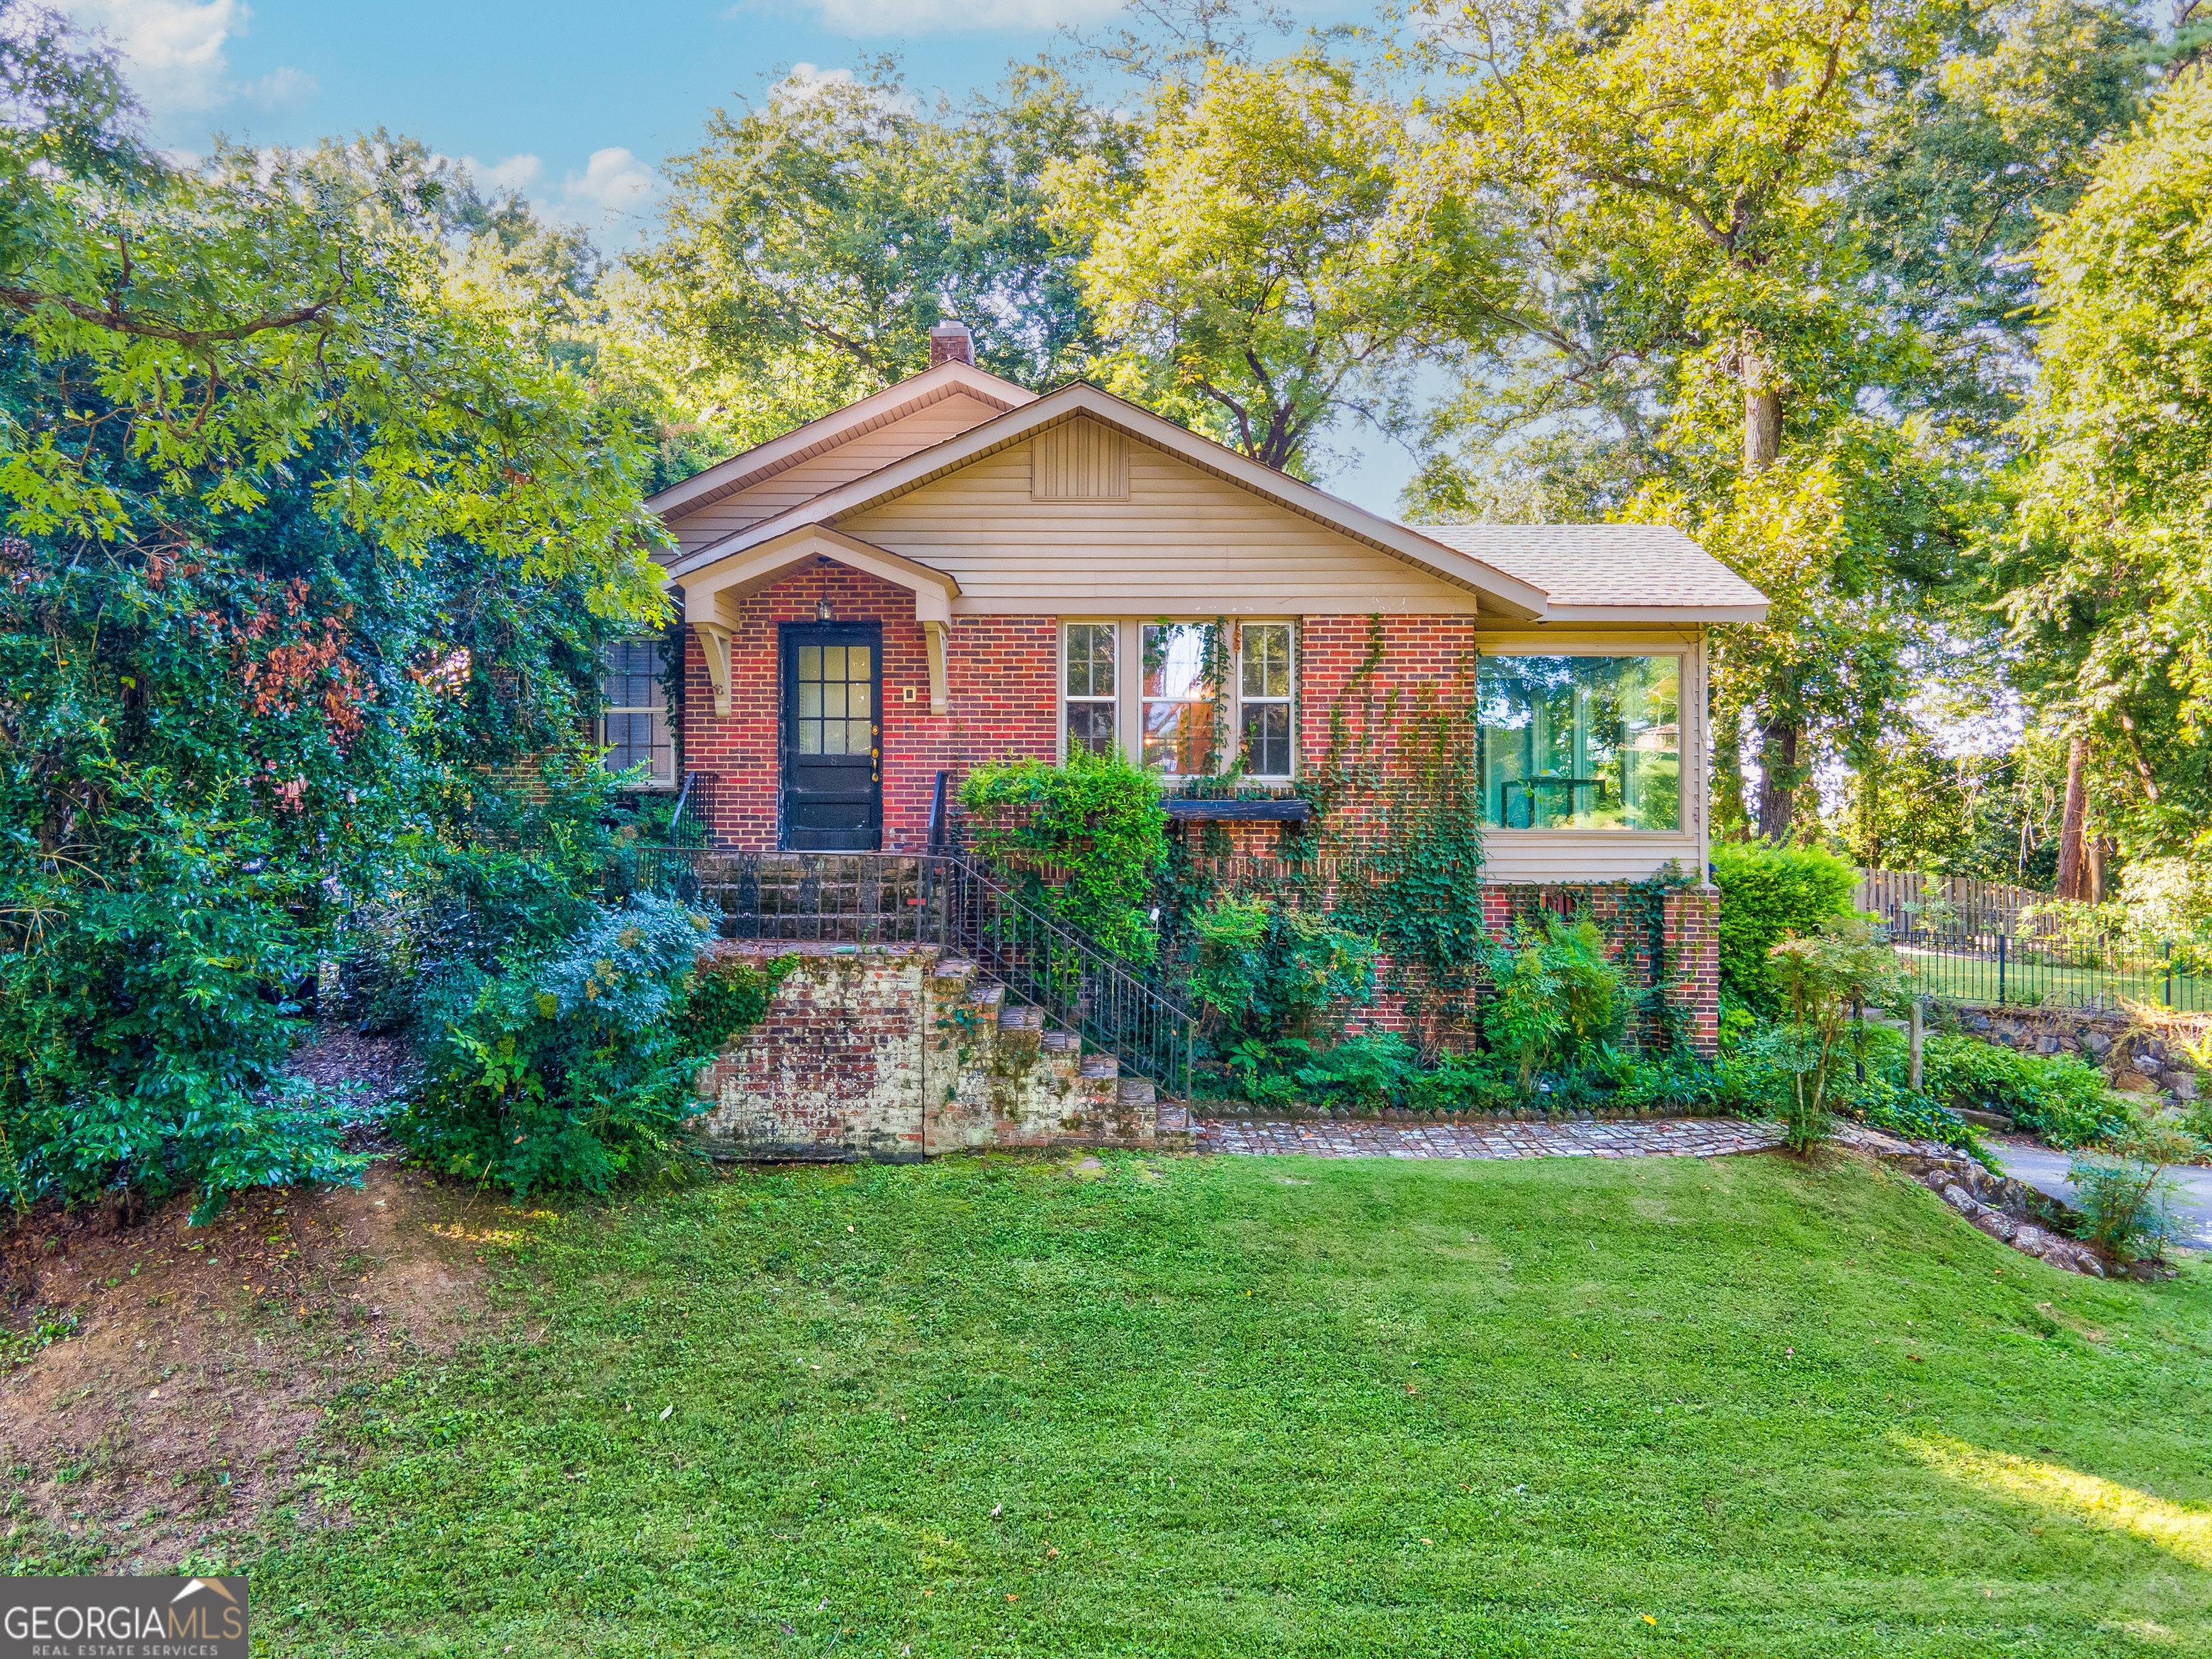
[1233, 1405]
[2032, 980]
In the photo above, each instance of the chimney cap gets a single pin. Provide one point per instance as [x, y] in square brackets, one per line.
[950, 341]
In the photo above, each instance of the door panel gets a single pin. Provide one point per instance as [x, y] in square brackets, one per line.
[833, 789]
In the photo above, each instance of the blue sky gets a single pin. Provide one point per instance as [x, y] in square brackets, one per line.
[575, 104]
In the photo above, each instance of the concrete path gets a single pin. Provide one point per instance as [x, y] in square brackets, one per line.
[1654, 1137]
[2044, 1169]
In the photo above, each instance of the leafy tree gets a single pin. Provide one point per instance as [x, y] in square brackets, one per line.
[2105, 576]
[299, 538]
[1772, 254]
[1269, 263]
[1827, 979]
[812, 242]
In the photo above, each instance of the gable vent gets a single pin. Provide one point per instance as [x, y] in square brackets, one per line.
[1079, 461]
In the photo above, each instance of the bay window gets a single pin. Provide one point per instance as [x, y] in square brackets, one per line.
[1581, 743]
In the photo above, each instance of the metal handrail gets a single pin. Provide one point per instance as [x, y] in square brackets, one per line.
[938, 899]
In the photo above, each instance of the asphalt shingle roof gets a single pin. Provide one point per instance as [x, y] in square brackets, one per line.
[1621, 564]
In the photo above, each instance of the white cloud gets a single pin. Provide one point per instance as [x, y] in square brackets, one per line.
[522, 173]
[173, 54]
[607, 198]
[907, 17]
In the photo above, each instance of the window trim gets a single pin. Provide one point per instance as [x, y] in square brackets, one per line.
[1062, 697]
[659, 712]
[1129, 699]
[1289, 700]
[1681, 652]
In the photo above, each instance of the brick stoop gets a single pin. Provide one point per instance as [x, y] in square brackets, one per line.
[895, 1052]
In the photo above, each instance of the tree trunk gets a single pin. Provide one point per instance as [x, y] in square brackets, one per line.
[2071, 884]
[2098, 845]
[1762, 413]
[1778, 780]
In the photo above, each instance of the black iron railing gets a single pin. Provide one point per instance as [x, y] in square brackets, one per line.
[933, 899]
[1995, 958]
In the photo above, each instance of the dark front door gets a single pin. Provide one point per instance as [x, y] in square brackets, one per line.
[833, 772]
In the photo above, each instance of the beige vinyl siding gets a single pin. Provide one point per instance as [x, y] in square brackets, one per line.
[948, 417]
[1184, 543]
[1554, 855]
[1079, 461]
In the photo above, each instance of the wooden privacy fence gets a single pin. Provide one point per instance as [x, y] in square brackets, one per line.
[1987, 906]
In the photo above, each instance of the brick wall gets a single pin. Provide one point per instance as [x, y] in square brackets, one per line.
[891, 1053]
[1692, 946]
[1001, 698]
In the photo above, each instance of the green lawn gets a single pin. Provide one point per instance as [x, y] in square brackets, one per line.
[2031, 978]
[1232, 1406]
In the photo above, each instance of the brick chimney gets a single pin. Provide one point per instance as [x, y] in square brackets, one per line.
[951, 343]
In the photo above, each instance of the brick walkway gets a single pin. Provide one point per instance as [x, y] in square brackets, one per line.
[1676, 1137]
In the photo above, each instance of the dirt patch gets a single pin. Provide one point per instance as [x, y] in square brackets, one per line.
[186, 1372]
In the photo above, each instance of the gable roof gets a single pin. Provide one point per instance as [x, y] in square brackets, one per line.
[1592, 572]
[1507, 594]
[763, 461]
[1543, 573]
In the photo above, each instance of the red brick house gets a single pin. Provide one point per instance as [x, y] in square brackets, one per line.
[959, 570]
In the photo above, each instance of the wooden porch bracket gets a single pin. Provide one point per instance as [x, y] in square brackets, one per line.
[714, 642]
[939, 697]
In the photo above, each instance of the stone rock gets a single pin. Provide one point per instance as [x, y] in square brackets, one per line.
[2184, 1084]
[1978, 1023]
[2047, 1043]
[2134, 1083]
[2147, 1064]
[1998, 1224]
[2156, 1050]
[2096, 1042]
[1964, 1201]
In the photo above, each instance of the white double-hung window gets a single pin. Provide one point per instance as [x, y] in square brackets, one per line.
[634, 726]
[1181, 697]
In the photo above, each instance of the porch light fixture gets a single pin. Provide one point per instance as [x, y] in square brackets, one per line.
[824, 611]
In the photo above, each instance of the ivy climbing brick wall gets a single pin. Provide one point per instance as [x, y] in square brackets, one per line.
[1001, 695]
[1690, 979]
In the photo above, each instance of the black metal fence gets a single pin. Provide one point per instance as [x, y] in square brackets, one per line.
[1993, 959]
[928, 899]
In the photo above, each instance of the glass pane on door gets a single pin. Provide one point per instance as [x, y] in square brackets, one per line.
[835, 700]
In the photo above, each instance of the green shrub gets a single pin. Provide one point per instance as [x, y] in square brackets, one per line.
[1265, 971]
[576, 1068]
[1099, 818]
[2126, 1199]
[2061, 1097]
[1559, 995]
[1368, 1071]
[1825, 977]
[1769, 894]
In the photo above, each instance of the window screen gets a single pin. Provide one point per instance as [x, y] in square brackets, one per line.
[634, 727]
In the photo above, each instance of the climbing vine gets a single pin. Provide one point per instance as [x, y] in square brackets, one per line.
[1405, 771]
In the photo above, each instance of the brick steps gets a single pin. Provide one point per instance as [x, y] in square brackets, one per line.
[900, 1051]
